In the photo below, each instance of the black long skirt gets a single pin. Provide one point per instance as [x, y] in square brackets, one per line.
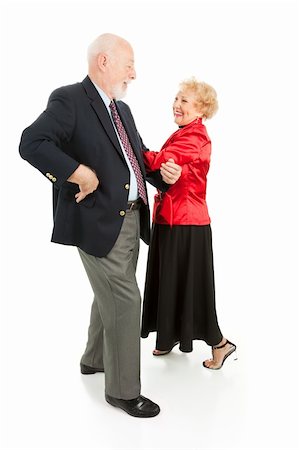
[179, 296]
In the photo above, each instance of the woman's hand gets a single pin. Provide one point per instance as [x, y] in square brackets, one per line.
[170, 171]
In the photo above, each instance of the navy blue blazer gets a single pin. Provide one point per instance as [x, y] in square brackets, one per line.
[76, 129]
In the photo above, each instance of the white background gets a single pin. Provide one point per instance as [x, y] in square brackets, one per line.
[249, 52]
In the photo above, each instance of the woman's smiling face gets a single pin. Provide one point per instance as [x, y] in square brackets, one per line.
[184, 108]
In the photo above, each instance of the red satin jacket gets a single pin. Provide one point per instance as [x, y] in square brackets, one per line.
[185, 202]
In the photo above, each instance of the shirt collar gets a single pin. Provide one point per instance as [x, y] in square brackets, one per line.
[103, 95]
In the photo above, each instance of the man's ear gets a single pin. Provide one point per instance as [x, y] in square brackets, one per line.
[102, 61]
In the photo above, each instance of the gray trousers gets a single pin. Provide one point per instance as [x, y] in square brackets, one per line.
[114, 330]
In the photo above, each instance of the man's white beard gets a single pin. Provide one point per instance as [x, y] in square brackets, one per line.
[119, 92]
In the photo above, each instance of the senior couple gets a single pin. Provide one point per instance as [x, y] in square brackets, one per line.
[87, 144]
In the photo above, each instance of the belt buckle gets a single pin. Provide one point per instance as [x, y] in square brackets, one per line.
[132, 206]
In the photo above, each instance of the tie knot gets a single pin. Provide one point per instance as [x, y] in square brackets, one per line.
[112, 105]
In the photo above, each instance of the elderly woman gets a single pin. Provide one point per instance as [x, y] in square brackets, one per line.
[179, 298]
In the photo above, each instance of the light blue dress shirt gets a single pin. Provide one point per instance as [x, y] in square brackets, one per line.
[133, 191]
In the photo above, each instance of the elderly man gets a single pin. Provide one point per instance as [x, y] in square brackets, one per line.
[86, 143]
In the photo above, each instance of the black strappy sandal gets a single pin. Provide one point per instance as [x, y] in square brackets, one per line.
[232, 350]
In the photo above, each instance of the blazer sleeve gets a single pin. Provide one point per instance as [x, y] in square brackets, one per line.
[183, 150]
[154, 177]
[41, 143]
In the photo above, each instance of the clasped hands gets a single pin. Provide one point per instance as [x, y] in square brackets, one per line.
[88, 182]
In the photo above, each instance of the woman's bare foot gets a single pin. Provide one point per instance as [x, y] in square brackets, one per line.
[159, 352]
[163, 352]
[220, 352]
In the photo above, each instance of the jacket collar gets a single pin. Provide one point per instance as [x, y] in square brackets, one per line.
[101, 111]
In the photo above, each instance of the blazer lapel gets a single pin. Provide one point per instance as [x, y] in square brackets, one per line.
[102, 113]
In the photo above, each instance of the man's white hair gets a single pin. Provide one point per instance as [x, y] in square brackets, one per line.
[105, 43]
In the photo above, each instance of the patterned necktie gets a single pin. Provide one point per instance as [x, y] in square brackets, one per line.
[129, 151]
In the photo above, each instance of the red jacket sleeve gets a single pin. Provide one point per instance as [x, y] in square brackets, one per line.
[184, 149]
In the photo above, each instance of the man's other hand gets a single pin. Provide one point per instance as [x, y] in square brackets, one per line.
[86, 179]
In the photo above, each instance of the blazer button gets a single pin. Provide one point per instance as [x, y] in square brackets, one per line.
[54, 179]
[47, 174]
[127, 186]
[122, 213]
[51, 177]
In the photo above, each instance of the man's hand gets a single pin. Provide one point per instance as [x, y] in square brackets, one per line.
[170, 171]
[86, 179]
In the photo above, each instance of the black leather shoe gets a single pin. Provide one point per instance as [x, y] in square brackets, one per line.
[87, 370]
[137, 407]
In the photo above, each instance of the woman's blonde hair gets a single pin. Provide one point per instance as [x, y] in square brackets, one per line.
[205, 96]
